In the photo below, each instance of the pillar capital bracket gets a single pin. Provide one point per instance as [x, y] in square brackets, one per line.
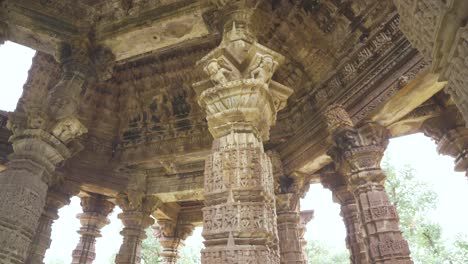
[357, 149]
[239, 94]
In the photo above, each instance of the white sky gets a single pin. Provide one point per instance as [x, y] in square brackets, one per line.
[327, 226]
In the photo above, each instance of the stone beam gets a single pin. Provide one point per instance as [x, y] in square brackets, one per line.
[178, 187]
[167, 211]
[423, 87]
[29, 24]
[413, 86]
[163, 27]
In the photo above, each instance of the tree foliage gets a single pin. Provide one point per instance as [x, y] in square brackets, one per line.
[150, 248]
[415, 200]
[320, 253]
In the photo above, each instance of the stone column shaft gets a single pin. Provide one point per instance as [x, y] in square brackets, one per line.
[23, 190]
[96, 208]
[350, 213]
[357, 152]
[305, 217]
[136, 217]
[57, 197]
[289, 229]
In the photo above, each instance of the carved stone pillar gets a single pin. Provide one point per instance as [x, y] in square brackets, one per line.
[96, 208]
[241, 102]
[42, 138]
[305, 217]
[136, 217]
[457, 85]
[350, 213]
[357, 152]
[438, 30]
[289, 228]
[171, 237]
[451, 136]
[57, 197]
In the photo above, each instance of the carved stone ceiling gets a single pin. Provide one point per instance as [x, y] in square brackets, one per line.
[146, 116]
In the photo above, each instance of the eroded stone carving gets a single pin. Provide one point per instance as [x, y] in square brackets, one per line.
[451, 136]
[239, 101]
[357, 152]
[171, 235]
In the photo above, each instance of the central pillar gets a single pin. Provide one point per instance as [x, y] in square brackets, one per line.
[357, 152]
[349, 211]
[96, 208]
[171, 236]
[241, 102]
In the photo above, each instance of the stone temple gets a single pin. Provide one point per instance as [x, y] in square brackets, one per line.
[220, 113]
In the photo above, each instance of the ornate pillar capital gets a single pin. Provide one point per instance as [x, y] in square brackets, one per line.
[449, 132]
[171, 236]
[136, 217]
[357, 150]
[239, 95]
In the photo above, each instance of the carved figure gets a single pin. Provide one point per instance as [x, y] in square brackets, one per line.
[264, 69]
[216, 72]
[67, 129]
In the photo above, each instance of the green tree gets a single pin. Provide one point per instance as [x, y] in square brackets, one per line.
[56, 261]
[150, 248]
[414, 200]
[320, 253]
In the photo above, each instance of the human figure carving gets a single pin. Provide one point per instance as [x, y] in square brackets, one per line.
[68, 129]
[216, 72]
[264, 69]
